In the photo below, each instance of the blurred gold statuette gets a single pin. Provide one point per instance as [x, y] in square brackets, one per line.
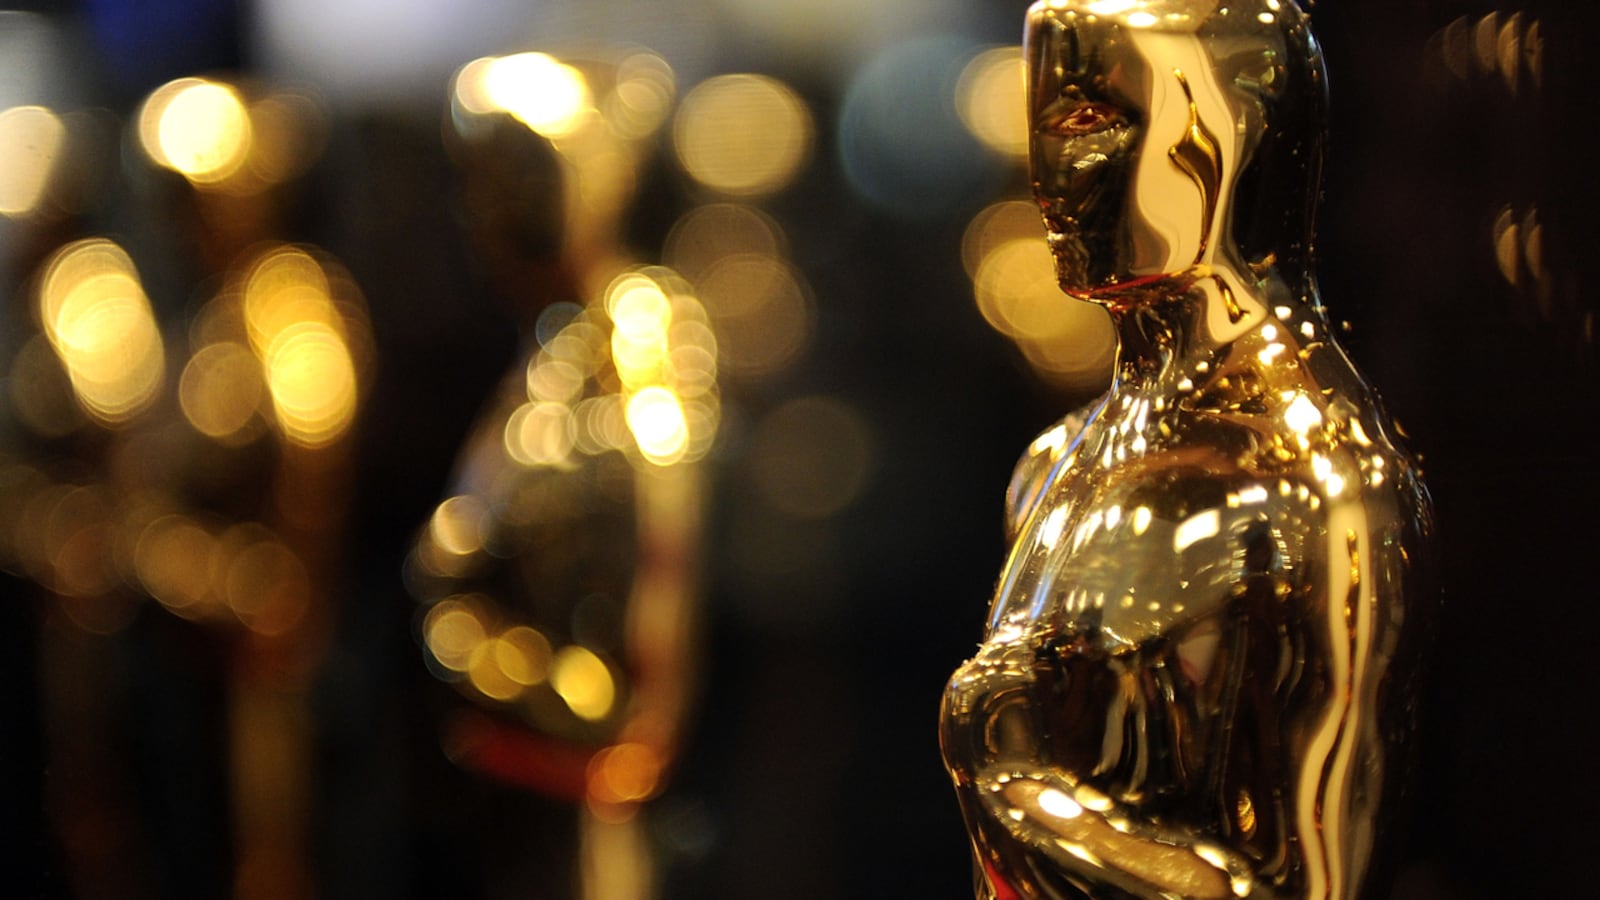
[559, 578]
[1199, 672]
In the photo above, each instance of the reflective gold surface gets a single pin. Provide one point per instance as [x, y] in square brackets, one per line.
[1199, 674]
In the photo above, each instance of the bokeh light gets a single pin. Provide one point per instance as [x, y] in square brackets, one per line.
[221, 391]
[536, 89]
[585, 682]
[487, 676]
[656, 419]
[266, 585]
[523, 654]
[288, 131]
[541, 434]
[743, 135]
[903, 144]
[96, 316]
[76, 542]
[999, 223]
[40, 391]
[666, 357]
[302, 337]
[173, 561]
[761, 309]
[645, 90]
[1069, 341]
[31, 139]
[812, 457]
[313, 383]
[457, 525]
[625, 773]
[197, 128]
[213, 135]
[640, 314]
[452, 630]
[989, 98]
[708, 234]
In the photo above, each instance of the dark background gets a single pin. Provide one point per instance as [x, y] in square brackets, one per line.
[813, 769]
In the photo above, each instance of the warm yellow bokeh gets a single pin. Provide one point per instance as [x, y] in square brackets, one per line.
[990, 101]
[999, 223]
[313, 383]
[547, 95]
[1068, 340]
[486, 674]
[173, 558]
[641, 314]
[198, 128]
[643, 96]
[640, 311]
[96, 316]
[221, 390]
[658, 395]
[584, 681]
[452, 630]
[743, 135]
[761, 310]
[31, 139]
[656, 418]
[524, 655]
[541, 434]
[457, 525]
[626, 773]
[812, 457]
[709, 234]
[303, 342]
[267, 587]
[554, 380]
[285, 287]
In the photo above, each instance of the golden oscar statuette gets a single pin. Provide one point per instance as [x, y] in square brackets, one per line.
[1199, 675]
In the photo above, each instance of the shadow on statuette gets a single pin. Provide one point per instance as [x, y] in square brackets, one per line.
[1199, 675]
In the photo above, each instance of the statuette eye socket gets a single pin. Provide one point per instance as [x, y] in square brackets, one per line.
[1083, 118]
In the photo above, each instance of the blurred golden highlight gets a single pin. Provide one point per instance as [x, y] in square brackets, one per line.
[812, 457]
[743, 135]
[452, 630]
[547, 95]
[313, 383]
[762, 310]
[209, 132]
[708, 234]
[96, 316]
[31, 139]
[1067, 341]
[625, 773]
[457, 525]
[656, 418]
[197, 128]
[221, 390]
[989, 99]
[584, 681]
[302, 338]
[541, 434]
[642, 98]
[665, 357]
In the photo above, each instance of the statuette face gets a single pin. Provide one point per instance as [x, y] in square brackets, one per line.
[1199, 672]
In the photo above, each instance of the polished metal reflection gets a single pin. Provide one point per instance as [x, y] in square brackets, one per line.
[1200, 670]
